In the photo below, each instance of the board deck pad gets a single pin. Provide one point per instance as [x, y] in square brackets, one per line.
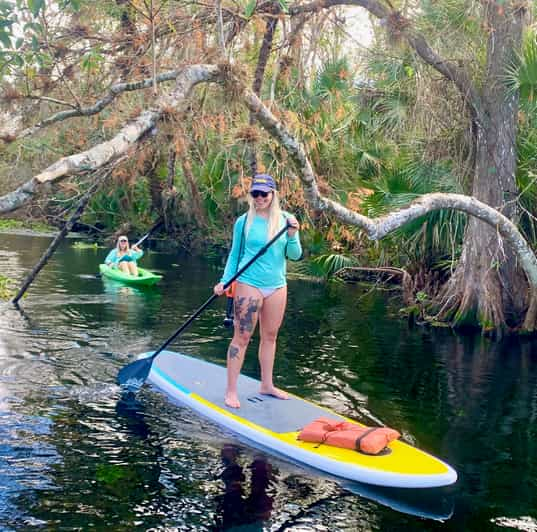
[209, 381]
[274, 424]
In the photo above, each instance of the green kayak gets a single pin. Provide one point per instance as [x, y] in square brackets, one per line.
[145, 277]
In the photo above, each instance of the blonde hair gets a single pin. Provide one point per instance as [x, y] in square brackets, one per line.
[118, 248]
[275, 215]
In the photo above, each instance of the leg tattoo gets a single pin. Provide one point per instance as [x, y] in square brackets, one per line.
[245, 311]
[233, 351]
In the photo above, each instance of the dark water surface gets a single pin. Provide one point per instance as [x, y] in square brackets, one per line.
[74, 458]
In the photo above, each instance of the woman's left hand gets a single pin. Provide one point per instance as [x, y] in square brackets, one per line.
[293, 225]
[136, 248]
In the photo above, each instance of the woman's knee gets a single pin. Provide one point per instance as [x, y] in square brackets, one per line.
[241, 340]
[270, 335]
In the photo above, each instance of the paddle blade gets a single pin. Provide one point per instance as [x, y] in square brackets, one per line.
[133, 376]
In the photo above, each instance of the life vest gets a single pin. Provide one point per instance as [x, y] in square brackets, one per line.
[368, 440]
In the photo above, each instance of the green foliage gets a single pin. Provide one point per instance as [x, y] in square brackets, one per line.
[7, 224]
[124, 203]
[7, 290]
[79, 245]
[333, 76]
[522, 74]
[426, 239]
[325, 266]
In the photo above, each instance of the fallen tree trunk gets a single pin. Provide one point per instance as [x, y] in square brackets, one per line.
[128, 136]
[375, 228]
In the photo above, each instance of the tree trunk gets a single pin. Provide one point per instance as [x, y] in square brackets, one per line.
[262, 60]
[488, 288]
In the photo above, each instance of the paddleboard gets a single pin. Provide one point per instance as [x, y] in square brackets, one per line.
[274, 424]
[145, 277]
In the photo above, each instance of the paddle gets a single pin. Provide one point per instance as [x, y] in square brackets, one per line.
[134, 375]
[153, 229]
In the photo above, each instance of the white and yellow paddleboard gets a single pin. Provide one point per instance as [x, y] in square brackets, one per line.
[275, 424]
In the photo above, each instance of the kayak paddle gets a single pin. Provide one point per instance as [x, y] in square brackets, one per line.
[134, 375]
[153, 229]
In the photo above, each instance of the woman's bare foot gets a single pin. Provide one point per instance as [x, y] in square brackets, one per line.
[279, 394]
[232, 400]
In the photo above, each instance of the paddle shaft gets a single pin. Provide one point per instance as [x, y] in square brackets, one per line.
[156, 226]
[262, 251]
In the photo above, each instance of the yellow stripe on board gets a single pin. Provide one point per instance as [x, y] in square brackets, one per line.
[403, 459]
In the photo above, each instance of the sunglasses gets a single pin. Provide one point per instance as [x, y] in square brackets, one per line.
[123, 240]
[257, 193]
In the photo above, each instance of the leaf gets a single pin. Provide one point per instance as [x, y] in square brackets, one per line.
[250, 8]
[4, 39]
[5, 7]
[18, 60]
[19, 42]
[35, 6]
[283, 5]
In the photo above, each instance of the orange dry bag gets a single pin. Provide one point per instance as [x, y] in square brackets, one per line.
[368, 440]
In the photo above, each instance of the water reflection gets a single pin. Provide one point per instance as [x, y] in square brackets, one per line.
[71, 457]
[131, 304]
[245, 501]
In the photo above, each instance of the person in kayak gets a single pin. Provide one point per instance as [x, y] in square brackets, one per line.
[124, 257]
[261, 291]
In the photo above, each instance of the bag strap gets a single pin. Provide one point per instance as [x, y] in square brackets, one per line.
[362, 436]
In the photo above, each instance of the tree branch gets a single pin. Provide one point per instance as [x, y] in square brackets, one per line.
[97, 107]
[377, 228]
[449, 70]
[99, 155]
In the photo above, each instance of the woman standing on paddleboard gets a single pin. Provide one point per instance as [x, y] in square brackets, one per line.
[261, 291]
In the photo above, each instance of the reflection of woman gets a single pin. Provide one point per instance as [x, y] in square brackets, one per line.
[235, 509]
[261, 292]
[124, 257]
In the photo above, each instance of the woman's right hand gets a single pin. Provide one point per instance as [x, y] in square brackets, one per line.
[218, 289]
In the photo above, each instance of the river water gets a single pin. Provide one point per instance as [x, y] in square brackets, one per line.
[75, 457]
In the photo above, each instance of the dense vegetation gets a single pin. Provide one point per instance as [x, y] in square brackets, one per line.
[380, 126]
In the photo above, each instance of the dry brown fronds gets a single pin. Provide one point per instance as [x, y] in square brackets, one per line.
[79, 30]
[259, 26]
[69, 72]
[135, 113]
[144, 159]
[10, 93]
[235, 78]
[60, 50]
[355, 199]
[139, 40]
[324, 186]
[238, 191]
[123, 63]
[8, 138]
[171, 113]
[396, 25]
[68, 187]
[179, 145]
[120, 174]
[248, 134]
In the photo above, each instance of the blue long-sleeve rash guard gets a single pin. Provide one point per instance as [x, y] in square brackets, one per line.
[269, 270]
[112, 257]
